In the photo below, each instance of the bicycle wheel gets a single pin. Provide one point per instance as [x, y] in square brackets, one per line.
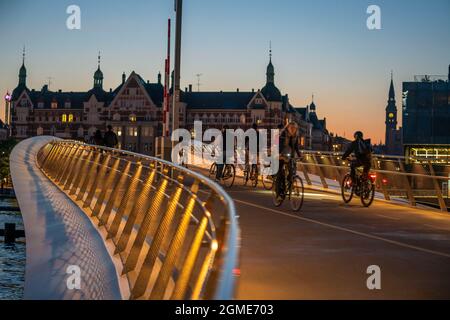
[267, 182]
[277, 201]
[246, 175]
[367, 193]
[254, 177]
[297, 194]
[347, 189]
[229, 176]
[213, 171]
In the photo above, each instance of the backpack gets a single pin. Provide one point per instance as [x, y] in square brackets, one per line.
[364, 147]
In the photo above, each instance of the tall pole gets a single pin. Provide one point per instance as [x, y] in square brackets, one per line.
[166, 114]
[177, 70]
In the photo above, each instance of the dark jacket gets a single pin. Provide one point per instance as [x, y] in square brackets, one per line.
[111, 140]
[289, 144]
[355, 148]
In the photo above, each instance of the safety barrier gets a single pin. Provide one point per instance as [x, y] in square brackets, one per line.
[410, 180]
[175, 231]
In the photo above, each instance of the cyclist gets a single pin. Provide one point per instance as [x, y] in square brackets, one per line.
[221, 166]
[362, 149]
[289, 143]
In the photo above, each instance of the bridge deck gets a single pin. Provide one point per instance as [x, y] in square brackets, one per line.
[324, 252]
[58, 235]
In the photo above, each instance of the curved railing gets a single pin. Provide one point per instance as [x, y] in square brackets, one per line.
[407, 179]
[175, 231]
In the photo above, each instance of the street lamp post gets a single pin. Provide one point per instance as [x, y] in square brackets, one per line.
[177, 70]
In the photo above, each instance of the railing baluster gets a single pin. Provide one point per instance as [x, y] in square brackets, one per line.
[125, 202]
[168, 265]
[437, 187]
[319, 170]
[90, 170]
[106, 185]
[412, 200]
[152, 254]
[124, 182]
[144, 200]
[188, 265]
[97, 180]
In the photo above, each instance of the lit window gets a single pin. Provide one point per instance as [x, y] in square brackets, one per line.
[70, 117]
[132, 132]
[64, 118]
[118, 131]
[54, 105]
[133, 118]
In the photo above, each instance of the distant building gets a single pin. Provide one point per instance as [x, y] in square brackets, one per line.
[134, 110]
[426, 118]
[320, 137]
[393, 137]
[339, 144]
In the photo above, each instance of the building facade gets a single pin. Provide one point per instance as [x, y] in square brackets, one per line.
[134, 110]
[426, 118]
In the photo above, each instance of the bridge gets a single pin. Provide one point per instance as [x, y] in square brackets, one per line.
[143, 228]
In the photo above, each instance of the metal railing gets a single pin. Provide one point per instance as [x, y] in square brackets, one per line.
[175, 231]
[413, 181]
[409, 180]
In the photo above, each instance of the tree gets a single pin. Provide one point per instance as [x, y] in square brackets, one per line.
[6, 148]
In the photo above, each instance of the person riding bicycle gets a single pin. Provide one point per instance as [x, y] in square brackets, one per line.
[221, 166]
[362, 149]
[289, 143]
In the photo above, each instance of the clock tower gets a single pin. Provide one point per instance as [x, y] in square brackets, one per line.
[391, 118]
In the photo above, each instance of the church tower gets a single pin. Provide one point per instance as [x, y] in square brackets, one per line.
[391, 118]
[23, 72]
[98, 76]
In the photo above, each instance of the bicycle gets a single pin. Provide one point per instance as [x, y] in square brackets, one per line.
[291, 187]
[228, 175]
[250, 173]
[363, 188]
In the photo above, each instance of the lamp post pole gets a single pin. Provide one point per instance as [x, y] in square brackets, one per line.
[177, 70]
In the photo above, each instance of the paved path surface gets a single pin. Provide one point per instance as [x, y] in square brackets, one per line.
[324, 252]
[58, 235]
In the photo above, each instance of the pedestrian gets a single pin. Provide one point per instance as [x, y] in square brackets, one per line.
[110, 139]
[98, 138]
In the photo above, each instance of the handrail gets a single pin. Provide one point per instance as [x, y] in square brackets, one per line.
[174, 230]
[392, 177]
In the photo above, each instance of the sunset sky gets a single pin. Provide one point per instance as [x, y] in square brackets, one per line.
[321, 47]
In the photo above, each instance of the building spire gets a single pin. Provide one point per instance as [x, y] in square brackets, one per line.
[392, 89]
[270, 50]
[23, 71]
[98, 75]
[270, 74]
